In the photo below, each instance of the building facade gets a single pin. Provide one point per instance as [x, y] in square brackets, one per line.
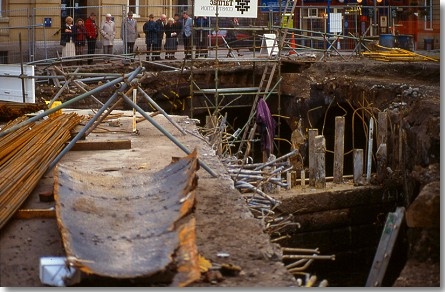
[35, 25]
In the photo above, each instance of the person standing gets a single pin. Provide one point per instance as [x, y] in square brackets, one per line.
[91, 28]
[160, 23]
[79, 36]
[66, 38]
[108, 32]
[129, 32]
[187, 34]
[202, 36]
[178, 25]
[150, 29]
[171, 44]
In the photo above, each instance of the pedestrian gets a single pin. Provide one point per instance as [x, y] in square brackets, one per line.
[108, 32]
[160, 23]
[66, 38]
[171, 44]
[178, 25]
[150, 29]
[187, 34]
[92, 33]
[129, 32]
[201, 36]
[79, 36]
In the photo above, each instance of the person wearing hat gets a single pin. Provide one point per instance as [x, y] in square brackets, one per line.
[129, 32]
[108, 32]
[92, 33]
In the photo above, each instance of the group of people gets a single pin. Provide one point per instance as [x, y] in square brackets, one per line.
[74, 37]
[173, 28]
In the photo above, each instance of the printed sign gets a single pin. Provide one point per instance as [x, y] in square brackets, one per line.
[226, 8]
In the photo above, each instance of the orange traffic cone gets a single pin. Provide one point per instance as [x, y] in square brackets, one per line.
[293, 46]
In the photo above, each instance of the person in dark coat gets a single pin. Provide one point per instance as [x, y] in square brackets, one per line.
[92, 33]
[201, 36]
[160, 23]
[171, 43]
[80, 38]
[150, 29]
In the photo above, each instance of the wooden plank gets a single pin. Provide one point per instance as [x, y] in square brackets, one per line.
[35, 213]
[83, 145]
[386, 245]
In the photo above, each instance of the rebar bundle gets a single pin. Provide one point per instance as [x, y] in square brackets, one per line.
[25, 155]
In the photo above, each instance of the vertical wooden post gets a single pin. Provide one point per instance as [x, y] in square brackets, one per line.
[303, 179]
[289, 180]
[312, 134]
[381, 157]
[358, 166]
[339, 149]
[382, 132]
[320, 162]
[370, 143]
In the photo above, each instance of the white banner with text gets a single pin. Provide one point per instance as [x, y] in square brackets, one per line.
[226, 8]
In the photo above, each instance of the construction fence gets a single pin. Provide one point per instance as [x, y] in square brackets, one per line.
[32, 34]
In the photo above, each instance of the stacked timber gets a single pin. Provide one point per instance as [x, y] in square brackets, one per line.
[25, 155]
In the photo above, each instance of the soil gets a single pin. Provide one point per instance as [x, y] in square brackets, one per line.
[224, 224]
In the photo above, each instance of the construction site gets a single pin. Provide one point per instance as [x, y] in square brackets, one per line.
[265, 166]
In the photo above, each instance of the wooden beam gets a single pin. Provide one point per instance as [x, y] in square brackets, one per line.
[83, 145]
[386, 245]
[35, 213]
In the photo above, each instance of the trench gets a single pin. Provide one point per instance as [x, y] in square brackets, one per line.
[355, 238]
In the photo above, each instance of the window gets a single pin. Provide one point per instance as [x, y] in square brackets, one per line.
[133, 5]
[312, 12]
[428, 14]
[3, 57]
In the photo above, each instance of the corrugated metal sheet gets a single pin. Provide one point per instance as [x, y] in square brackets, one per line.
[127, 223]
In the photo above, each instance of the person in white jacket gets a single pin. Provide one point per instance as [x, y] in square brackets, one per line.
[129, 33]
[108, 32]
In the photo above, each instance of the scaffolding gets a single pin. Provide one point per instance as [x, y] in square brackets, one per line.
[270, 59]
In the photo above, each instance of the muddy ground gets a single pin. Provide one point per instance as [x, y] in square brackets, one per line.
[417, 84]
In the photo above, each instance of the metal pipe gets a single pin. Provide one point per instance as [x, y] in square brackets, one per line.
[318, 257]
[56, 108]
[166, 133]
[92, 120]
[293, 152]
[150, 100]
[309, 250]
[63, 88]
